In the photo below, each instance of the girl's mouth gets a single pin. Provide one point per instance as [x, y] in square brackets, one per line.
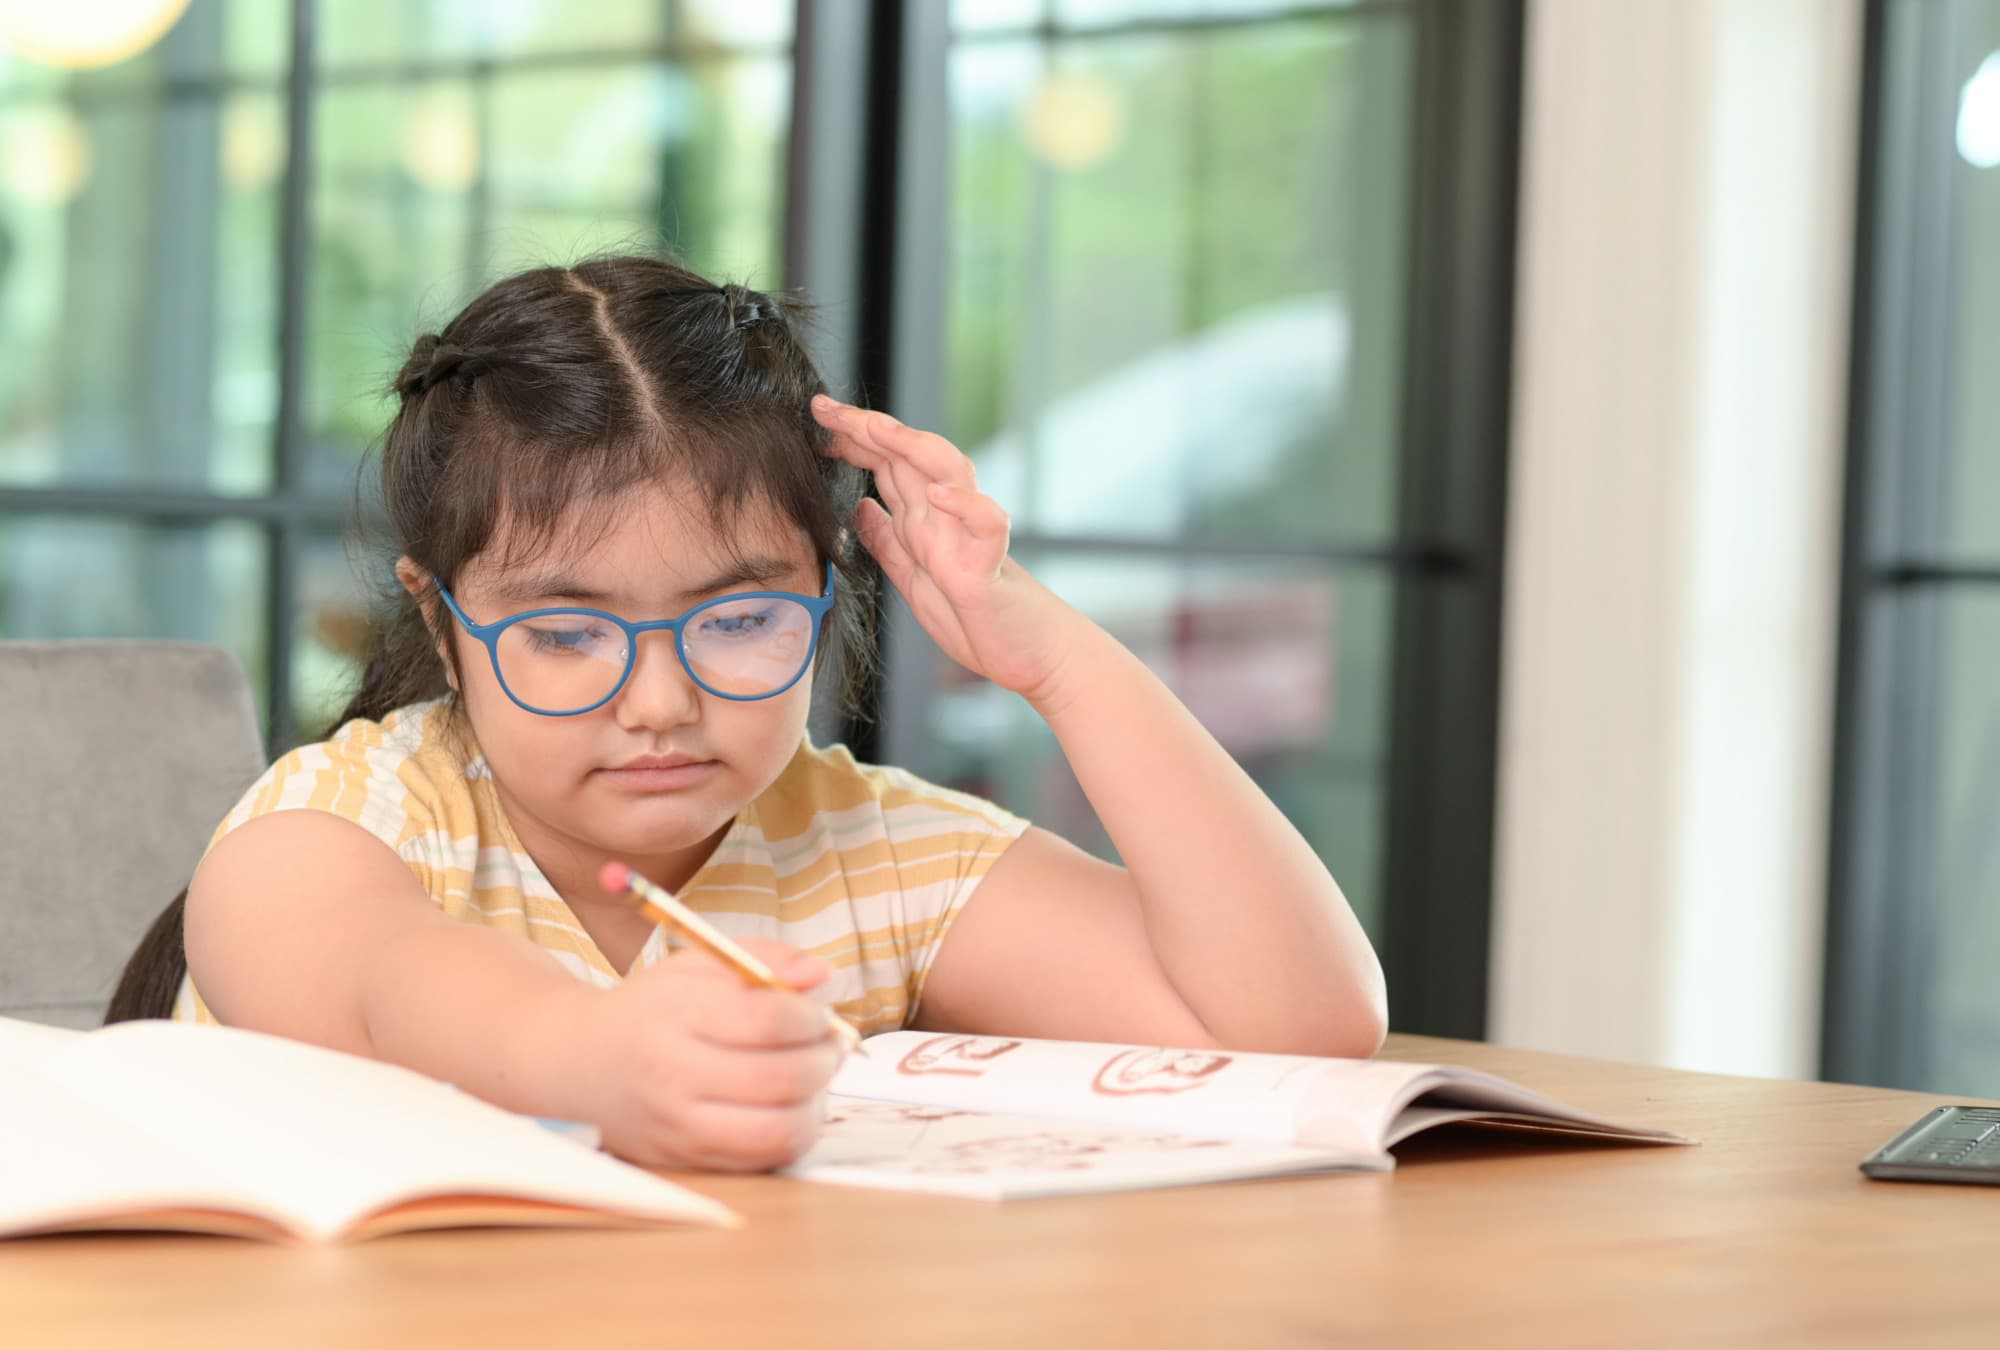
[659, 775]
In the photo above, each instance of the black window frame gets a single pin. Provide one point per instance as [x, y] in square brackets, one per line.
[1882, 932]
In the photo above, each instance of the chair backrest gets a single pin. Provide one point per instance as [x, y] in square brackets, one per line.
[117, 760]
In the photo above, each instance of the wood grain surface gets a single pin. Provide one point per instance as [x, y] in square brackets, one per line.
[1765, 1235]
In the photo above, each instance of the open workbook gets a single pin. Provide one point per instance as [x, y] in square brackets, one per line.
[1000, 1118]
[160, 1125]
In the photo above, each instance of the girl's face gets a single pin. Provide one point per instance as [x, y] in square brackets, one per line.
[654, 777]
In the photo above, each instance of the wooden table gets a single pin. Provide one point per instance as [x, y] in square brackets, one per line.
[1764, 1236]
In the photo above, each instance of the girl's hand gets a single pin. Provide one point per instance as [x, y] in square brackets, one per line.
[694, 1068]
[943, 544]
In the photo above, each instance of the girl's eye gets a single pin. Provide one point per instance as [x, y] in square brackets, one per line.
[563, 639]
[737, 624]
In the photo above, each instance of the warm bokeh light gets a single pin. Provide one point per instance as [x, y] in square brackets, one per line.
[84, 34]
[1979, 116]
[253, 146]
[1073, 121]
[45, 156]
[440, 144]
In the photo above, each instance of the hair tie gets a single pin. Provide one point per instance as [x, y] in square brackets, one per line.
[746, 307]
[432, 362]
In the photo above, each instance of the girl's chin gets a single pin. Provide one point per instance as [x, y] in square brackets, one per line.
[652, 826]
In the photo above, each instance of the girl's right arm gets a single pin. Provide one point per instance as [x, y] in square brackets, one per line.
[304, 925]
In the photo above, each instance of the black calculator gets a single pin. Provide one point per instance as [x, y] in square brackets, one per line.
[1952, 1143]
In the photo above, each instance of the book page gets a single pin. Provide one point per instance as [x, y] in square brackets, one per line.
[1344, 1106]
[64, 1161]
[322, 1138]
[904, 1147]
[1449, 1094]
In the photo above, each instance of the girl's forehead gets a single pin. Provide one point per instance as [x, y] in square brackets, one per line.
[646, 533]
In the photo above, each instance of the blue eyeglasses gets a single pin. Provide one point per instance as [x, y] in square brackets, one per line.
[565, 662]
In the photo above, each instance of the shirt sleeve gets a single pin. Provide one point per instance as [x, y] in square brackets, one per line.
[359, 776]
[943, 843]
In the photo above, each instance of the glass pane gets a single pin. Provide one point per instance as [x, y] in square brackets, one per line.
[331, 629]
[390, 33]
[244, 398]
[1286, 665]
[978, 16]
[1964, 1034]
[78, 577]
[1974, 498]
[391, 254]
[144, 45]
[1103, 13]
[429, 189]
[256, 37]
[691, 154]
[138, 270]
[1176, 278]
[358, 34]
[739, 23]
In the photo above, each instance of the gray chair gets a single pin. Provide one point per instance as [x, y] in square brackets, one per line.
[117, 761]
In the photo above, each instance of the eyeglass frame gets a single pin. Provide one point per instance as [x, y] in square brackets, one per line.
[488, 634]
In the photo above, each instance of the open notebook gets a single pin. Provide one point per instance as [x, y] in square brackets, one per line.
[998, 1118]
[160, 1125]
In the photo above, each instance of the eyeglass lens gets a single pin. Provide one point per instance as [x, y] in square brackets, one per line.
[568, 660]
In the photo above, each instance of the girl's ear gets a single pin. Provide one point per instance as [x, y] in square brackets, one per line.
[410, 575]
[416, 581]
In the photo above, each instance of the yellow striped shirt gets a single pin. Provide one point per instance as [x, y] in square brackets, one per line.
[863, 866]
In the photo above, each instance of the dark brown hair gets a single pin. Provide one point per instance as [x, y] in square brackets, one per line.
[557, 388]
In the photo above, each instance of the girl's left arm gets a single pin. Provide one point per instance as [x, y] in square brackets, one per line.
[1222, 927]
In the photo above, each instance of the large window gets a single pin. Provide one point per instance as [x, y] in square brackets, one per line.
[1912, 996]
[1195, 285]
[213, 254]
[1174, 348]
[139, 210]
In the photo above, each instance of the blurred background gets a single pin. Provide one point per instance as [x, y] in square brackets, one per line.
[1549, 442]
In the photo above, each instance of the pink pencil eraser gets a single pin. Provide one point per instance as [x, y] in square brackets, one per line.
[615, 877]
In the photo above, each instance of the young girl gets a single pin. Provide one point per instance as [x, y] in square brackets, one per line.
[624, 503]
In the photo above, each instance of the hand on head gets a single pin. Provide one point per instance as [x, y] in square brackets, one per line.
[943, 544]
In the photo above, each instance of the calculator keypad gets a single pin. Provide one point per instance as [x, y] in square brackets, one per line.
[1953, 1143]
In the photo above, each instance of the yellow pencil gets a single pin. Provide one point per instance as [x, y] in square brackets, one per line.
[661, 907]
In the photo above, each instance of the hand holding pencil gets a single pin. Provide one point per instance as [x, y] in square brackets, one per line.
[664, 910]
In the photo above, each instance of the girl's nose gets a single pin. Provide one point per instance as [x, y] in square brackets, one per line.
[659, 694]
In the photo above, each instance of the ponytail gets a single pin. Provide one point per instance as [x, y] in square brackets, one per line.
[152, 978]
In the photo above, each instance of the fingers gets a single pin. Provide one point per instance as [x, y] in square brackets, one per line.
[890, 474]
[979, 513]
[758, 1019]
[718, 1007]
[878, 535]
[933, 525]
[869, 439]
[763, 1077]
[718, 1073]
[730, 1138]
[787, 962]
[912, 468]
